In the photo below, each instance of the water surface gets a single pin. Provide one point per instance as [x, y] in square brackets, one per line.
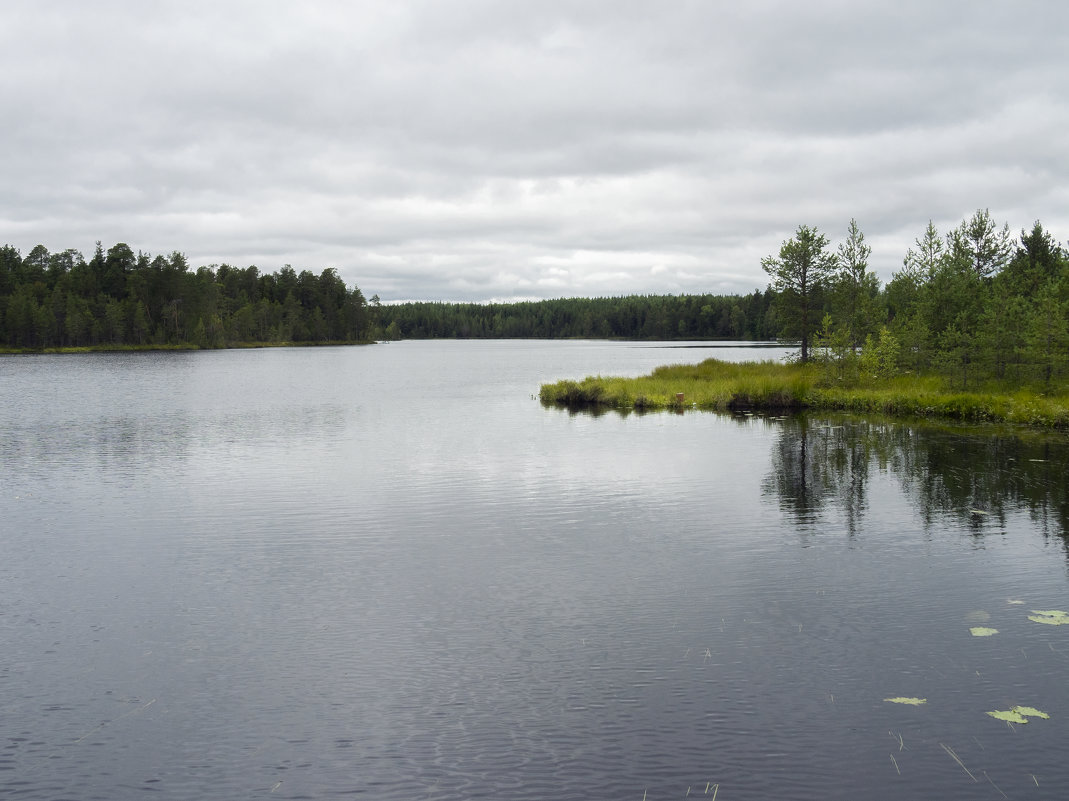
[390, 572]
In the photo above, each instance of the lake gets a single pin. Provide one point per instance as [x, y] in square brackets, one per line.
[390, 572]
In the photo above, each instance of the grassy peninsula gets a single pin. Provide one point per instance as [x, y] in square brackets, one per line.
[772, 386]
[975, 327]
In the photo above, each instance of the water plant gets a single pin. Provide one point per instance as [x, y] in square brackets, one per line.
[906, 700]
[772, 386]
[1019, 714]
[1054, 617]
[982, 631]
[957, 759]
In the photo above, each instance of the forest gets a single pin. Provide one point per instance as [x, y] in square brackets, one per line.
[660, 317]
[973, 303]
[119, 298]
[122, 299]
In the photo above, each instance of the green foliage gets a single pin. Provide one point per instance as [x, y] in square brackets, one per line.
[1047, 336]
[120, 298]
[713, 384]
[973, 307]
[800, 273]
[879, 358]
[1019, 714]
[855, 289]
[719, 385]
[846, 366]
[835, 353]
[661, 317]
[1052, 617]
[979, 245]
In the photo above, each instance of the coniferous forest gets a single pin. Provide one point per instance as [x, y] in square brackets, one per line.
[662, 317]
[119, 298]
[973, 303]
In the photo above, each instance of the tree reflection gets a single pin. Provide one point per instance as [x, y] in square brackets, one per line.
[810, 465]
[819, 462]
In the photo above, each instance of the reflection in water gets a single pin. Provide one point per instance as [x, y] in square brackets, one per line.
[808, 467]
[973, 476]
[387, 572]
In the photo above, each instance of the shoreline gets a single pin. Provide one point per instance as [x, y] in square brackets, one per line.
[773, 387]
[6, 351]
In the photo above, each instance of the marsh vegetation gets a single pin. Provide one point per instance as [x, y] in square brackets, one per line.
[974, 327]
[770, 386]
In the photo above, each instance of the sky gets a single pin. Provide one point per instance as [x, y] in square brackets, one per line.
[472, 150]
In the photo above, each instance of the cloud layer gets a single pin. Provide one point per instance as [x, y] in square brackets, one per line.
[469, 150]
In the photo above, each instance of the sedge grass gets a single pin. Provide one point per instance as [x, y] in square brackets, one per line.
[773, 386]
[709, 385]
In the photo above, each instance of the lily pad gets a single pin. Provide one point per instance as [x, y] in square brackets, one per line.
[910, 701]
[1053, 617]
[1009, 716]
[982, 631]
[979, 616]
[1019, 714]
[1030, 712]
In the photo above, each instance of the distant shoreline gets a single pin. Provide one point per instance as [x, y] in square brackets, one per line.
[6, 351]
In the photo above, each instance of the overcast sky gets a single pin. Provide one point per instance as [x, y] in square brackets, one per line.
[475, 150]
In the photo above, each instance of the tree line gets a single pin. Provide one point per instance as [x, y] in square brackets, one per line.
[973, 303]
[123, 298]
[661, 317]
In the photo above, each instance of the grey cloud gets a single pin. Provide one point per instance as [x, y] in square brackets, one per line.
[478, 149]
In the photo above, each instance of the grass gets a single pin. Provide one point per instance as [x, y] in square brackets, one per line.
[773, 386]
[709, 385]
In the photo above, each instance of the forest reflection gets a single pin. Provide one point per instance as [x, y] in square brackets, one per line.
[974, 476]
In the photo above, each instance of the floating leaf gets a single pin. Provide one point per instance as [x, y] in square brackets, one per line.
[979, 616]
[1031, 712]
[1013, 601]
[1019, 714]
[1009, 716]
[1054, 617]
[982, 631]
[910, 701]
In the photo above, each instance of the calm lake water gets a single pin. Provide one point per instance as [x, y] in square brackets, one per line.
[389, 572]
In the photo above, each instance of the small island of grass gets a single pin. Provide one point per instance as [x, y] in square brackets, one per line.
[771, 386]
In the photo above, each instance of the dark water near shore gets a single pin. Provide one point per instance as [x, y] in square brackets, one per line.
[389, 572]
